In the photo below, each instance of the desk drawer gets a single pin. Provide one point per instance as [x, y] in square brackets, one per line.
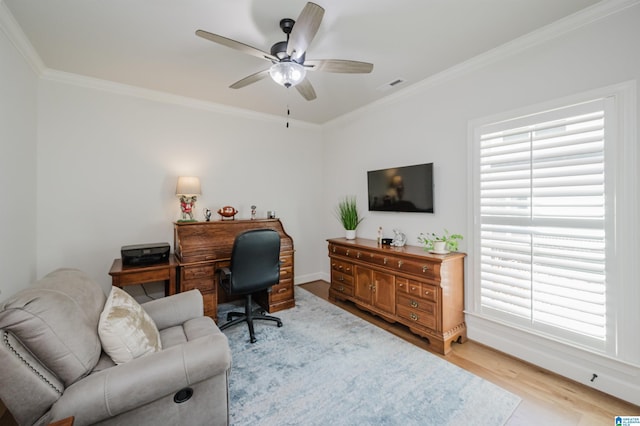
[198, 272]
[286, 273]
[210, 305]
[286, 260]
[202, 284]
[282, 291]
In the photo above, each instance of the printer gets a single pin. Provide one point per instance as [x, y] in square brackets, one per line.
[145, 254]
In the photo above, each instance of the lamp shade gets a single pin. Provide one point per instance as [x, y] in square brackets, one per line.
[287, 74]
[188, 185]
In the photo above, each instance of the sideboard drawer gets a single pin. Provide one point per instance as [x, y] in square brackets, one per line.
[420, 317]
[339, 277]
[344, 267]
[425, 269]
[342, 287]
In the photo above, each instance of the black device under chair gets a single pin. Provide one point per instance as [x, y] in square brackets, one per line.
[255, 267]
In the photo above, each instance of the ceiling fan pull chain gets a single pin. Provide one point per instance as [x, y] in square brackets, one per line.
[288, 115]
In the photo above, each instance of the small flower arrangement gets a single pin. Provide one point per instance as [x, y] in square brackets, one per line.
[436, 242]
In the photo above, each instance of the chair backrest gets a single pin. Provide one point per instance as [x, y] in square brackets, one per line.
[255, 261]
[49, 340]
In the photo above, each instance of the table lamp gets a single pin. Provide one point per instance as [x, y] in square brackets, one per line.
[188, 189]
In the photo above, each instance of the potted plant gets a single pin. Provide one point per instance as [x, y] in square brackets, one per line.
[441, 244]
[347, 214]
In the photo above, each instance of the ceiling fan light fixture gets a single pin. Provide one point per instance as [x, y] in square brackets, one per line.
[287, 73]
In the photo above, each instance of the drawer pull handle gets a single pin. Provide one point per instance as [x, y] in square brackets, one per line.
[341, 288]
[385, 260]
[341, 278]
[414, 316]
[333, 249]
[282, 290]
[425, 268]
[399, 263]
[358, 255]
[339, 266]
[347, 253]
[413, 288]
[426, 292]
[413, 304]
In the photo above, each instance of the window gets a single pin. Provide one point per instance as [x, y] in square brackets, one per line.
[544, 217]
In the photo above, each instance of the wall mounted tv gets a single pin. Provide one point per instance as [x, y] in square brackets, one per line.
[401, 189]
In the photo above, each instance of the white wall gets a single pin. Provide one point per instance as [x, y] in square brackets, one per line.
[108, 161]
[18, 109]
[429, 123]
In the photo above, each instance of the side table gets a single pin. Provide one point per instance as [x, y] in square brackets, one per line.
[132, 275]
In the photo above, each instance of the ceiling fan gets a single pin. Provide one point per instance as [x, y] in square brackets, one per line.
[289, 65]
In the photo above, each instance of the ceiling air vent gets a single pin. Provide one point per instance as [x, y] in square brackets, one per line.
[392, 84]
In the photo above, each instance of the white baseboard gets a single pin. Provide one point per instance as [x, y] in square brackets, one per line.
[613, 377]
[301, 279]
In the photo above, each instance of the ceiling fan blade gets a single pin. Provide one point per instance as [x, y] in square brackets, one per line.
[245, 48]
[304, 30]
[338, 65]
[250, 79]
[306, 89]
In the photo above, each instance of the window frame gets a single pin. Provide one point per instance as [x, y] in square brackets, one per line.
[620, 223]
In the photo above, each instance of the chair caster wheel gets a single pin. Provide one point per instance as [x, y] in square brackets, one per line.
[229, 317]
[279, 323]
[253, 340]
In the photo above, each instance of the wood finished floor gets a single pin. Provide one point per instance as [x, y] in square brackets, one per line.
[547, 398]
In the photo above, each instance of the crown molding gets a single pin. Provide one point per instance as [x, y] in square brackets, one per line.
[16, 36]
[164, 97]
[545, 34]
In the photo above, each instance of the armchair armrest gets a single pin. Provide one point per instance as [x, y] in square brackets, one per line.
[175, 309]
[122, 388]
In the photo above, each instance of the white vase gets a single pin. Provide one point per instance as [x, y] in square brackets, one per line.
[350, 234]
[439, 246]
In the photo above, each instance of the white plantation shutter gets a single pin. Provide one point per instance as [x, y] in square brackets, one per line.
[542, 222]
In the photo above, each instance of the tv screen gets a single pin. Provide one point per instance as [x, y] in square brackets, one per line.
[401, 189]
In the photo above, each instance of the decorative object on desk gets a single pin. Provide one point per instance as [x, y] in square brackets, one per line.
[271, 214]
[188, 189]
[227, 212]
[440, 244]
[387, 241]
[347, 214]
[399, 238]
[379, 234]
[207, 214]
[253, 212]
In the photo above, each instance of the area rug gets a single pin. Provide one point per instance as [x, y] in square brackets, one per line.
[326, 366]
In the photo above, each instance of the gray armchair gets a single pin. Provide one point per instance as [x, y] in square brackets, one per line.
[52, 365]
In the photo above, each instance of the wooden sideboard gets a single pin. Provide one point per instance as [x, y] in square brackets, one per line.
[406, 284]
[203, 247]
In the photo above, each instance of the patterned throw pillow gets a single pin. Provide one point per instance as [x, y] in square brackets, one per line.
[126, 330]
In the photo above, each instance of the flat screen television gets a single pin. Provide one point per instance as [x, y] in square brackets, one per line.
[401, 189]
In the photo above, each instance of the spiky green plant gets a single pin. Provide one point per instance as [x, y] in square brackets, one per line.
[347, 213]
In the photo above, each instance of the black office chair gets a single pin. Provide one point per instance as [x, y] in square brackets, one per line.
[255, 266]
